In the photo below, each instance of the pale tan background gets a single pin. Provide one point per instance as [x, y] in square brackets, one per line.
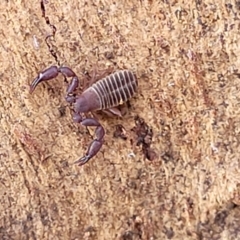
[186, 57]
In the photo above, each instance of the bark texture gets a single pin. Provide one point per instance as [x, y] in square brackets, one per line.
[186, 57]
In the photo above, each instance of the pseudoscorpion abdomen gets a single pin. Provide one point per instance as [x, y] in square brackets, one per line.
[116, 88]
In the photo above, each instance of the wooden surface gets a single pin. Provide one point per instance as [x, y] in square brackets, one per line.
[186, 57]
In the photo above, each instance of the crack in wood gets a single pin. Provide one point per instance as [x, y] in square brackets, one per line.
[54, 30]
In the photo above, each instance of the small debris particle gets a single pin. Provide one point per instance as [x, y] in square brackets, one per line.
[120, 132]
[144, 137]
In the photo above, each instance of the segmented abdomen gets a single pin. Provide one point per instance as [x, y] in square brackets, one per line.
[115, 89]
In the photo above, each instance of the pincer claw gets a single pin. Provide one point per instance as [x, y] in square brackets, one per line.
[82, 160]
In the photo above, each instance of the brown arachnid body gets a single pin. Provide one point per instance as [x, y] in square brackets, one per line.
[105, 94]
